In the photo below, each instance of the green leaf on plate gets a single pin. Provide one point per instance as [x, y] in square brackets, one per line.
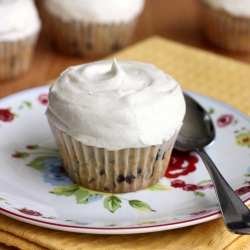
[140, 205]
[27, 104]
[81, 196]
[84, 197]
[158, 187]
[204, 182]
[65, 190]
[38, 163]
[196, 193]
[112, 203]
[210, 111]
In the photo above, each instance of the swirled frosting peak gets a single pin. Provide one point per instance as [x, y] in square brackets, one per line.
[116, 105]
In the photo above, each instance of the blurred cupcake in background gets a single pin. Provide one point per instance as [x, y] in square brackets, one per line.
[91, 28]
[226, 23]
[19, 29]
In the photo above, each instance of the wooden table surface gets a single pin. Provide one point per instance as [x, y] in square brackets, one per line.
[177, 20]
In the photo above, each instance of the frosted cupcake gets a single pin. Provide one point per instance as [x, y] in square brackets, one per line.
[115, 124]
[19, 28]
[92, 28]
[226, 23]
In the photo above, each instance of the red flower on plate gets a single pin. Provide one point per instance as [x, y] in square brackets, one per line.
[43, 99]
[6, 115]
[29, 212]
[190, 187]
[242, 190]
[224, 120]
[32, 147]
[178, 184]
[181, 163]
[22, 155]
[201, 212]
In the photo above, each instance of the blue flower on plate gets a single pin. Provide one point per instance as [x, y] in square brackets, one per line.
[94, 197]
[79, 223]
[54, 172]
[248, 170]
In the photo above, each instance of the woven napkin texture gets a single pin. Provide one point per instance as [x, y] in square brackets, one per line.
[196, 70]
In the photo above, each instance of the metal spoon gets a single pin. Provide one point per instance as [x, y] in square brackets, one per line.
[196, 133]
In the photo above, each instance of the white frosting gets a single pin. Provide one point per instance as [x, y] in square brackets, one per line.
[239, 8]
[130, 105]
[100, 11]
[18, 19]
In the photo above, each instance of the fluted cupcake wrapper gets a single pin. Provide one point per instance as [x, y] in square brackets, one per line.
[89, 39]
[16, 56]
[225, 30]
[125, 170]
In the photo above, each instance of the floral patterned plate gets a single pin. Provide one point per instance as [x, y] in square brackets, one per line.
[35, 189]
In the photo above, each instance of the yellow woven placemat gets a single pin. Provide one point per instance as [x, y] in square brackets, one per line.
[195, 70]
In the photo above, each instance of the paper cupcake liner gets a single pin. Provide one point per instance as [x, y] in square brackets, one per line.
[16, 56]
[224, 30]
[89, 39]
[125, 170]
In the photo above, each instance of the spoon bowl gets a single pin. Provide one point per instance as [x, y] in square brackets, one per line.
[198, 130]
[196, 134]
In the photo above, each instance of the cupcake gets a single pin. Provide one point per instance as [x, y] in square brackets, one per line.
[19, 28]
[115, 124]
[91, 28]
[226, 23]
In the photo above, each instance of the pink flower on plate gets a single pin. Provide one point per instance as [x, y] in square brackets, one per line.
[203, 187]
[43, 99]
[224, 120]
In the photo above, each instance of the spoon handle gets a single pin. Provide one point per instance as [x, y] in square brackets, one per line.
[235, 213]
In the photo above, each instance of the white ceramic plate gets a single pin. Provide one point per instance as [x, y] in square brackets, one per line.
[35, 189]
